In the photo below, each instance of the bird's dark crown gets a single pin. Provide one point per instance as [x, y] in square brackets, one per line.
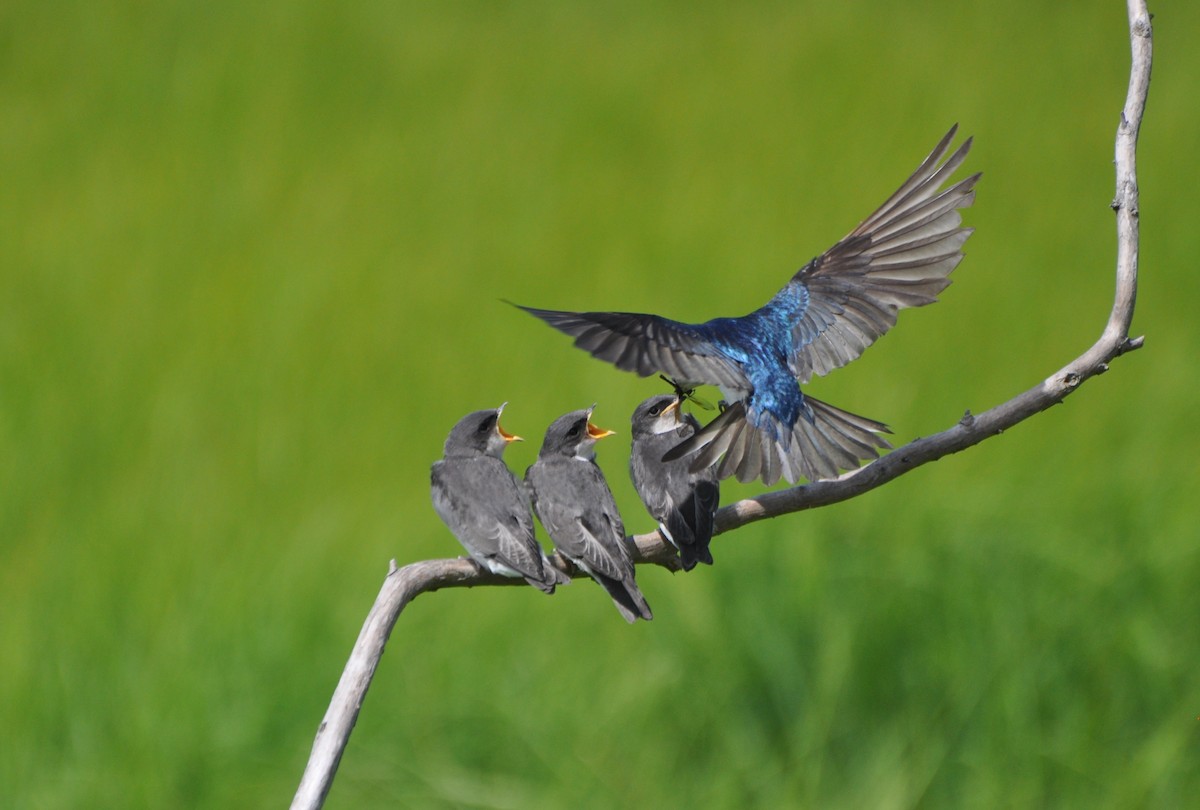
[473, 434]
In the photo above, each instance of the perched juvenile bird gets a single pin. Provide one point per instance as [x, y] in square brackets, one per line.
[683, 502]
[574, 503]
[831, 310]
[484, 504]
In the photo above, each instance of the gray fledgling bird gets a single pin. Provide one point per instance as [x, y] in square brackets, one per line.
[485, 506]
[683, 502]
[574, 503]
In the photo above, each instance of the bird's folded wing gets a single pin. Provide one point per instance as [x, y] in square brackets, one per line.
[601, 554]
[496, 520]
[695, 513]
[655, 498]
[519, 550]
[510, 532]
[646, 344]
[898, 257]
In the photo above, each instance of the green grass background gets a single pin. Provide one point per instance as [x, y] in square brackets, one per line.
[251, 257]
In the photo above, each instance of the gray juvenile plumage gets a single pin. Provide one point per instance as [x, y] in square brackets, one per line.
[574, 503]
[485, 505]
[682, 502]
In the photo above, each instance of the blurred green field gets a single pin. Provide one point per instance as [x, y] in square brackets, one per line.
[251, 263]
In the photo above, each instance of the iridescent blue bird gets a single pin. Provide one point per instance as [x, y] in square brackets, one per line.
[830, 311]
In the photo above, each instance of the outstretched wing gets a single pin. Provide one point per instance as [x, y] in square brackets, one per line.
[899, 257]
[646, 344]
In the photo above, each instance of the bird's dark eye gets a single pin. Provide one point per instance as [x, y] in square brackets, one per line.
[656, 410]
[485, 425]
[574, 431]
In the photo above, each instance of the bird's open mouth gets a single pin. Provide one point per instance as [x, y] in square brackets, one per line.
[598, 433]
[504, 434]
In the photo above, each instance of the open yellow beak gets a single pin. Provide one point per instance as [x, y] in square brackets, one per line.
[598, 433]
[508, 437]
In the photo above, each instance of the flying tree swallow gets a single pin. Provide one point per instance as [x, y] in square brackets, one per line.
[683, 502]
[830, 311]
[485, 506]
[574, 503]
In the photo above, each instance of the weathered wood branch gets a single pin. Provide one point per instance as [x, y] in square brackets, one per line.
[402, 585]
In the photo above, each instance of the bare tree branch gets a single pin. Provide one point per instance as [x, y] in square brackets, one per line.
[402, 585]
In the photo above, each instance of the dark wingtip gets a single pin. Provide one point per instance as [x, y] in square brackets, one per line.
[690, 557]
[678, 451]
[543, 586]
[534, 311]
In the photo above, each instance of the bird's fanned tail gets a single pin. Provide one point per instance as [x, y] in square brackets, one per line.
[823, 442]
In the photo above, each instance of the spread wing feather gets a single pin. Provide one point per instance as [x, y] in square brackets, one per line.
[646, 345]
[898, 257]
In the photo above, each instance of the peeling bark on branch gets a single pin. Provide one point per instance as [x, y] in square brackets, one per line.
[402, 585]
